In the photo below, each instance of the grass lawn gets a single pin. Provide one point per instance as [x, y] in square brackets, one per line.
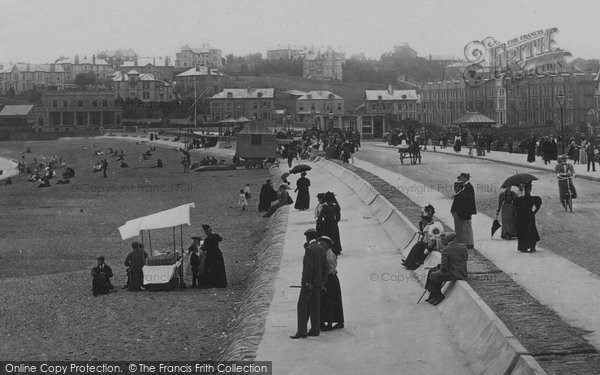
[51, 236]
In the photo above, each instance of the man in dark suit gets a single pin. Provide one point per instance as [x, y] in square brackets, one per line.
[101, 275]
[314, 276]
[463, 206]
[452, 267]
[135, 261]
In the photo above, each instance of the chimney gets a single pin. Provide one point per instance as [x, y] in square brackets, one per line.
[94, 59]
[77, 59]
[390, 90]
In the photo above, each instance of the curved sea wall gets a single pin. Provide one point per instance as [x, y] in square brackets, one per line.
[246, 329]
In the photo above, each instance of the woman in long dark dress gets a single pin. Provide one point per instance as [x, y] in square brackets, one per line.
[506, 210]
[526, 207]
[266, 197]
[531, 150]
[328, 221]
[303, 197]
[332, 311]
[214, 275]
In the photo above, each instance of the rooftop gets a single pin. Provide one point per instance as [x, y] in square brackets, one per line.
[244, 94]
[16, 110]
[391, 94]
[200, 71]
[319, 95]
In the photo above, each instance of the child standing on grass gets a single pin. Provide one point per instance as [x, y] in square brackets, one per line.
[247, 191]
[242, 201]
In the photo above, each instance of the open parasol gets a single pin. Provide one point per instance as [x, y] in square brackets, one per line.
[518, 179]
[301, 168]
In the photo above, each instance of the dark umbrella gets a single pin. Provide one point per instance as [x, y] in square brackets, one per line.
[518, 179]
[495, 225]
[301, 168]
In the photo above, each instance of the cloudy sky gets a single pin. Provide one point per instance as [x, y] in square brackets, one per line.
[42, 30]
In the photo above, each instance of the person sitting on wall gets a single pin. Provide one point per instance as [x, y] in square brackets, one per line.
[452, 267]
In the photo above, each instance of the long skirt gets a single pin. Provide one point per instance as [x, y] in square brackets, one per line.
[213, 275]
[562, 189]
[331, 230]
[527, 233]
[302, 200]
[508, 220]
[464, 230]
[332, 310]
[416, 257]
[583, 158]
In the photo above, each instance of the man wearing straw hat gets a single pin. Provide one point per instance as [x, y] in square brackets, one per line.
[463, 207]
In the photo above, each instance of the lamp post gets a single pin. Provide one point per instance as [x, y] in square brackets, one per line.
[561, 102]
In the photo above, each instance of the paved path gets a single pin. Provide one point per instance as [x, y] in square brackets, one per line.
[386, 332]
[568, 289]
[512, 159]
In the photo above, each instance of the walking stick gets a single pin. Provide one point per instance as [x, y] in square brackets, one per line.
[422, 295]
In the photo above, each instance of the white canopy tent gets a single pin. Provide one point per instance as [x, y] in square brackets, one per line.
[171, 218]
[164, 219]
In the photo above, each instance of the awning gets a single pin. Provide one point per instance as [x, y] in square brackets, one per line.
[165, 219]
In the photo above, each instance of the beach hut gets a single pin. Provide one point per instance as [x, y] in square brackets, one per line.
[256, 142]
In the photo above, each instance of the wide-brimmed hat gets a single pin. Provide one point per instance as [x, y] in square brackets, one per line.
[206, 226]
[563, 156]
[326, 239]
[101, 257]
[435, 229]
[464, 175]
[321, 195]
[310, 231]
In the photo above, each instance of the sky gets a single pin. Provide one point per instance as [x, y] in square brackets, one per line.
[40, 31]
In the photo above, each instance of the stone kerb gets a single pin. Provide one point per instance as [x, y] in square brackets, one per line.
[365, 192]
[382, 209]
[527, 365]
[479, 332]
[401, 231]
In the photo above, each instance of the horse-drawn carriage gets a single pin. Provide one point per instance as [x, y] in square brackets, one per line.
[410, 151]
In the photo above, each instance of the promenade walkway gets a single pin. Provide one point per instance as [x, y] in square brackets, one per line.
[385, 332]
